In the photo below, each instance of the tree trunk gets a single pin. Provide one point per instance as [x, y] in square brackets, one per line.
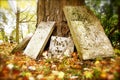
[3, 34]
[52, 10]
[119, 21]
[17, 25]
[119, 17]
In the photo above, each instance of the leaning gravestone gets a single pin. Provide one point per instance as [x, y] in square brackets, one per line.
[37, 43]
[22, 45]
[60, 47]
[87, 33]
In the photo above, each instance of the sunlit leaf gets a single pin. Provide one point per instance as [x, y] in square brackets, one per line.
[103, 75]
[88, 74]
[4, 4]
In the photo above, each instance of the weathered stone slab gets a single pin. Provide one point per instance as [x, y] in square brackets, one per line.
[61, 46]
[87, 33]
[39, 39]
[22, 45]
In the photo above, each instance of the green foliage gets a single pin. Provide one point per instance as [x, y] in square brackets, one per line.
[109, 24]
[96, 72]
[115, 2]
[4, 18]
[107, 13]
[117, 51]
[88, 75]
[117, 77]
[46, 70]
[114, 39]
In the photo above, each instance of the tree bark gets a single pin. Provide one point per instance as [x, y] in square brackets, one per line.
[119, 22]
[52, 10]
[17, 25]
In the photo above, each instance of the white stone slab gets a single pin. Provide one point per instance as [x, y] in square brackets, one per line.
[61, 46]
[39, 39]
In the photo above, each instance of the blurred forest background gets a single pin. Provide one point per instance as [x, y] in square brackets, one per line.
[18, 18]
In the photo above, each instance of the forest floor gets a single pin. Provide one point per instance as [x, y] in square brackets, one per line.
[20, 67]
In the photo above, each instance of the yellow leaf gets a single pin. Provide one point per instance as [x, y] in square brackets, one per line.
[4, 4]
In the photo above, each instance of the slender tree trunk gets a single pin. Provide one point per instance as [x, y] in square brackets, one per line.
[119, 21]
[52, 10]
[17, 25]
[3, 34]
[119, 18]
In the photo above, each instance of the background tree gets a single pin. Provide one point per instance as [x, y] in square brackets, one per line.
[116, 4]
[6, 18]
[17, 11]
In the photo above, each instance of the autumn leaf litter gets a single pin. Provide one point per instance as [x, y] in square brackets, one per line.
[20, 67]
